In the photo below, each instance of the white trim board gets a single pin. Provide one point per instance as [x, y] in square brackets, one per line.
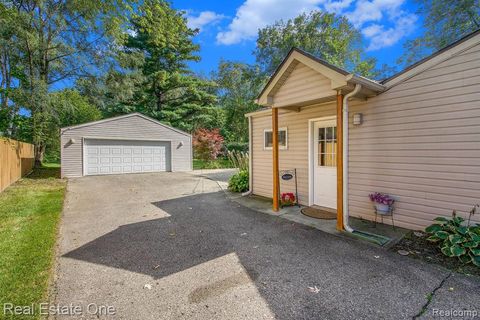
[279, 147]
[310, 155]
[126, 139]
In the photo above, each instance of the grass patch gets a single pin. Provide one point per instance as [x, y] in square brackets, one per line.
[29, 213]
[51, 165]
[212, 164]
[48, 172]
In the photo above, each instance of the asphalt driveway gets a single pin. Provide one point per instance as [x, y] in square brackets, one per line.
[173, 246]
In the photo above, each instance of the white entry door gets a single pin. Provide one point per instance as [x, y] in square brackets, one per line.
[125, 156]
[324, 163]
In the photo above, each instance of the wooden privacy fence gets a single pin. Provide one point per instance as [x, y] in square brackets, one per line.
[16, 160]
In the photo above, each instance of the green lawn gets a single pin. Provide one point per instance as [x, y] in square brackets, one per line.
[212, 164]
[51, 165]
[29, 213]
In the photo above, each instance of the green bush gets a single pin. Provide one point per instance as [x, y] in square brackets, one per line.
[455, 239]
[239, 182]
[237, 146]
[52, 155]
[212, 164]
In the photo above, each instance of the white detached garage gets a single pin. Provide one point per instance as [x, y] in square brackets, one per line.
[131, 143]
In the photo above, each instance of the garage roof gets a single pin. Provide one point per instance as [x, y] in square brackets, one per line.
[134, 114]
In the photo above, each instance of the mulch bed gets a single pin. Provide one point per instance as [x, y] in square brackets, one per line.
[420, 248]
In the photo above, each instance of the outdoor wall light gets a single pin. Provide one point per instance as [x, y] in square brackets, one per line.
[357, 119]
[180, 144]
[72, 141]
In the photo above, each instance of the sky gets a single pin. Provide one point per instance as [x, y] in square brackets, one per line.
[228, 28]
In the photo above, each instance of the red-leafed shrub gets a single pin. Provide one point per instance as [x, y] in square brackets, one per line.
[207, 144]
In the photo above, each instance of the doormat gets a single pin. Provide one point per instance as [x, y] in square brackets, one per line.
[319, 213]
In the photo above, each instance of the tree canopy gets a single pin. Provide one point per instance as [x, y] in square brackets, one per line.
[66, 62]
[326, 35]
[444, 22]
[45, 42]
[153, 76]
[238, 86]
[66, 108]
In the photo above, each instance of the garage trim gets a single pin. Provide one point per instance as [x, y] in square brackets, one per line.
[84, 146]
[124, 128]
[128, 139]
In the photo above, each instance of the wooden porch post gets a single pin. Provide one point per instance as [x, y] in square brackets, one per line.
[340, 161]
[276, 182]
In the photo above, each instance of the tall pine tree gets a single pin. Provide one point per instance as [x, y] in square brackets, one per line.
[153, 76]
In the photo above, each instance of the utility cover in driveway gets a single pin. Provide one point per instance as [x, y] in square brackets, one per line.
[125, 156]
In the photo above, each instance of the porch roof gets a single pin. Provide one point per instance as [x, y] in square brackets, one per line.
[340, 80]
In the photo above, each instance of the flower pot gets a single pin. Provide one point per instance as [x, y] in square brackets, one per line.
[382, 208]
[287, 199]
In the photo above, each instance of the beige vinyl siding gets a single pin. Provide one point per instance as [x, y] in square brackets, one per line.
[296, 156]
[420, 142]
[303, 82]
[133, 127]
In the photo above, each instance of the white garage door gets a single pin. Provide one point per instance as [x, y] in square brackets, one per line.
[125, 156]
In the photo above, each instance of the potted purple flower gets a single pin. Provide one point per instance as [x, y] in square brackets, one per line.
[382, 201]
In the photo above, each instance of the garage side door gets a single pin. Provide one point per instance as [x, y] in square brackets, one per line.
[125, 156]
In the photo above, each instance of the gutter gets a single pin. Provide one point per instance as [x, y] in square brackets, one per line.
[258, 112]
[357, 89]
[250, 156]
[365, 82]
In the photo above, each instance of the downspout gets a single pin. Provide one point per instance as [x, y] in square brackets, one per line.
[250, 156]
[346, 226]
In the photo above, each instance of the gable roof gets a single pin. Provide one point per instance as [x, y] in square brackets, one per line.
[309, 55]
[287, 65]
[339, 77]
[321, 61]
[134, 114]
[435, 58]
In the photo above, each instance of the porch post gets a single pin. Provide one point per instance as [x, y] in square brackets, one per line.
[276, 182]
[340, 161]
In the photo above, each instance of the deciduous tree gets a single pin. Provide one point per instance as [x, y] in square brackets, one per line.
[238, 86]
[58, 40]
[207, 144]
[326, 35]
[67, 108]
[444, 22]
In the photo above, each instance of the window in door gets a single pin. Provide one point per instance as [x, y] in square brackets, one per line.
[327, 147]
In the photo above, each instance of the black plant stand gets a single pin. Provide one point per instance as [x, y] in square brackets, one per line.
[390, 213]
